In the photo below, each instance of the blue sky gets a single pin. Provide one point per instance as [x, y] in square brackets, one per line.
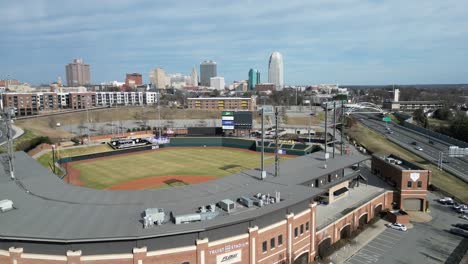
[322, 41]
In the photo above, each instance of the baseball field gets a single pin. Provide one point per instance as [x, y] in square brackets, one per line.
[161, 168]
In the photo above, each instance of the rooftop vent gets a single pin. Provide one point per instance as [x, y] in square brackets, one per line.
[6, 205]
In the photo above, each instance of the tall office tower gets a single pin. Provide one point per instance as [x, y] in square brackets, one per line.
[208, 69]
[77, 73]
[194, 77]
[158, 78]
[217, 83]
[133, 79]
[275, 70]
[254, 79]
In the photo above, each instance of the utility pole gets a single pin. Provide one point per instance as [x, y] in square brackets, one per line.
[11, 154]
[334, 127]
[326, 127]
[87, 118]
[276, 144]
[342, 126]
[263, 173]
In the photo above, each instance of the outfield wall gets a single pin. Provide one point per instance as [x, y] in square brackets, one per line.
[248, 144]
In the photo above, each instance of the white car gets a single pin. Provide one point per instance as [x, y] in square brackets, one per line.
[397, 226]
[459, 206]
[464, 217]
[419, 148]
[446, 200]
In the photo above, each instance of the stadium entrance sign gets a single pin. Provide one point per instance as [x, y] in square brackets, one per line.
[229, 258]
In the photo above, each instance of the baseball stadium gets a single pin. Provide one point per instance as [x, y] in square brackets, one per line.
[196, 201]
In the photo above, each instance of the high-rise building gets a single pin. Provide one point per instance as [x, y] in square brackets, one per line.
[254, 79]
[133, 79]
[208, 69]
[78, 73]
[275, 70]
[217, 83]
[158, 78]
[194, 77]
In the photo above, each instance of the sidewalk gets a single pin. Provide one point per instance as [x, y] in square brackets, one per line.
[358, 242]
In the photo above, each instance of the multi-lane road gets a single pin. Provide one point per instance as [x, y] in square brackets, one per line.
[425, 146]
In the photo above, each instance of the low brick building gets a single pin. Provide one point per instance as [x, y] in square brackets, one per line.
[410, 180]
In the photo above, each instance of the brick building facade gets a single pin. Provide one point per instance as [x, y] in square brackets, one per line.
[410, 180]
[223, 103]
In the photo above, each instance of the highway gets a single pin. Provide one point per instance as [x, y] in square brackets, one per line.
[410, 140]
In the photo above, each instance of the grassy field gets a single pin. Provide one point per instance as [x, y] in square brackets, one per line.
[218, 162]
[441, 179]
[46, 158]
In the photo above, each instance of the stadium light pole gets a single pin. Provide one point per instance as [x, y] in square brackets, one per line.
[263, 173]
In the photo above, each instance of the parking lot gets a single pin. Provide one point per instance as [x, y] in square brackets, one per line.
[425, 242]
[377, 248]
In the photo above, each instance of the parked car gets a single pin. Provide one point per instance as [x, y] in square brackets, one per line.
[462, 226]
[459, 206]
[464, 217]
[397, 226]
[414, 143]
[462, 210]
[459, 232]
[419, 148]
[431, 142]
[445, 200]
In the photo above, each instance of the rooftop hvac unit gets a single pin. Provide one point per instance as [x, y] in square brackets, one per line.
[227, 205]
[6, 205]
[154, 216]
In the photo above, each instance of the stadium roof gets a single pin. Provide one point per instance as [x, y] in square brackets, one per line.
[48, 209]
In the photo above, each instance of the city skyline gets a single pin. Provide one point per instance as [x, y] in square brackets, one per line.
[350, 42]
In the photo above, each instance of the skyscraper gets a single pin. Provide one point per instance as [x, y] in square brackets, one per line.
[78, 73]
[158, 78]
[275, 70]
[208, 69]
[254, 79]
[194, 77]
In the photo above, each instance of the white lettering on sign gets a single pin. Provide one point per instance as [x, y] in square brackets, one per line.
[230, 257]
[414, 176]
[228, 248]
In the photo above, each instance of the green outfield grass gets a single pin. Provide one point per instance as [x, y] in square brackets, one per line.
[217, 162]
[46, 158]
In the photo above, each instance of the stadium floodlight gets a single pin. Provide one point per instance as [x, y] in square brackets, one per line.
[262, 167]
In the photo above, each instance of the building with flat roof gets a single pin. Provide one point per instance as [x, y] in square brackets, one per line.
[217, 83]
[133, 80]
[159, 79]
[294, 227]
[222, 103]
[254, 79]
[412, 105]
[34, 103]
[265, 87]
[208, 69]
[78, 73]
[410, 180]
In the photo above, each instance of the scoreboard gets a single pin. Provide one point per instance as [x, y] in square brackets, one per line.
[236, 120]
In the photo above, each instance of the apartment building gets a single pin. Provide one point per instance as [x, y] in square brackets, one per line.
[223, 103]
[32, 103]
